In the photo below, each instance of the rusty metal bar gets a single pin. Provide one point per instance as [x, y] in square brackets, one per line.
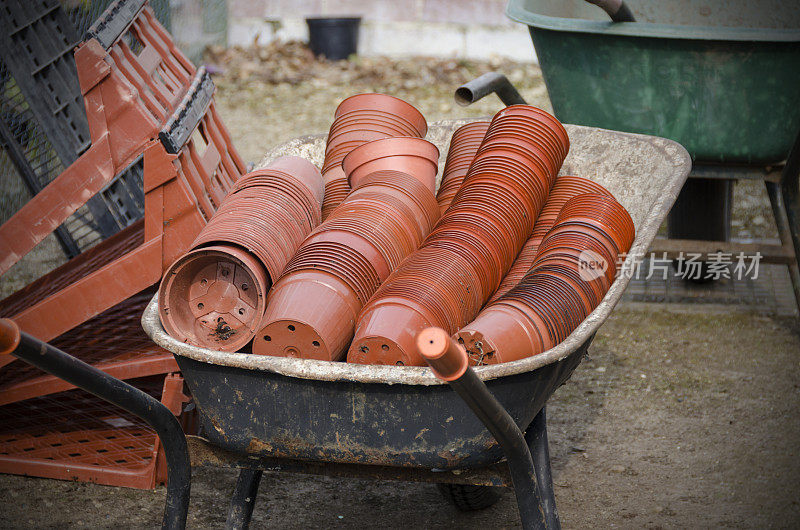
[203, 453]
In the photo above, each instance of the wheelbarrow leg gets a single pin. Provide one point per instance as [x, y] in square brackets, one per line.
[74, 371]
[536, 436]
[785, 200]
[244, 499]
[449, 362]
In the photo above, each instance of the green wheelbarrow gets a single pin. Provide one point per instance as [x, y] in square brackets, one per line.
[720, 78]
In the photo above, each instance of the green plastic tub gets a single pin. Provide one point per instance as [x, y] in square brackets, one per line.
[720, 77]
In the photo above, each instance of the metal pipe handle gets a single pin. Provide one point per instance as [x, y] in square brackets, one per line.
[449, 362]
[493, 82]
[617, 10]
[54, 361]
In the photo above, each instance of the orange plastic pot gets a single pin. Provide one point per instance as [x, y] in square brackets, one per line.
[413, 156]
[214, 297]
[386, 332]
[502, 333]
[387, 104]
[310, 315]
[302, 170]
[536, 114]
[404, 186]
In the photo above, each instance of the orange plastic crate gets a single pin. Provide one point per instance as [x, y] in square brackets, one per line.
[74, 435]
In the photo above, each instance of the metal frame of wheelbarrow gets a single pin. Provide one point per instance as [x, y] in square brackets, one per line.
[467, 452]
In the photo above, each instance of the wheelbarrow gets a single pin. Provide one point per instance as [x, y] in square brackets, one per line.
[720, 78]
[386, 422]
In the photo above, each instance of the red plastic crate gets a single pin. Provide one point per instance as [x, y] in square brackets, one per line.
[113, 341]
[74, 435]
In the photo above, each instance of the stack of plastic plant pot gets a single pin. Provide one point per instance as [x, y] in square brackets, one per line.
[360, 119]
[574, 268]
[566, 187]
[460, 264]
[464, 145]
[215, 295]
[313, 307]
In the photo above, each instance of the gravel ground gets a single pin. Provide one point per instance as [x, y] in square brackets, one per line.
[678, 418]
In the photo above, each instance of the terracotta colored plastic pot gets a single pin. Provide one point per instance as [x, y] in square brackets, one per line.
[522, 264]
[417, 222]
[550, 300]
[502, 333]
[388, 104]
[268, 212]
[433, 283]
[310, 315]
[403, 185]
[284, 192]
[530, 134]
[373, 119]
[335, 253]
[269, 232]
[359, 135]
[414, 156]
[362, 240]
[539, 115]
[566, 187]
[576, 242]
[495, 234]
[336, 190]
[302, 170]
[387, 236]
[463, 145]
[214, 297]
[525, 158]
[517, 171]
[368, 125]
[392, 329]
[482, 250]
[605, 212]
[475, 259]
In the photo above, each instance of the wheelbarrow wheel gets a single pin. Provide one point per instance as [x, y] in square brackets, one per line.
[470, 498]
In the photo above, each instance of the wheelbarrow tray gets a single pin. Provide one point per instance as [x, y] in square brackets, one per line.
[404, 416]
[720, 78]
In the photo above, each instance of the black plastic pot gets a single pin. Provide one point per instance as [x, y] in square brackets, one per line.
[333, 38]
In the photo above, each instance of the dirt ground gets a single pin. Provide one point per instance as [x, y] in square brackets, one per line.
[679, 417]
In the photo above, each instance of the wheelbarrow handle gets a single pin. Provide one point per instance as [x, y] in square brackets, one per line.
[489, 83]
[448, 360]
[54, 361]
[618, 10]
